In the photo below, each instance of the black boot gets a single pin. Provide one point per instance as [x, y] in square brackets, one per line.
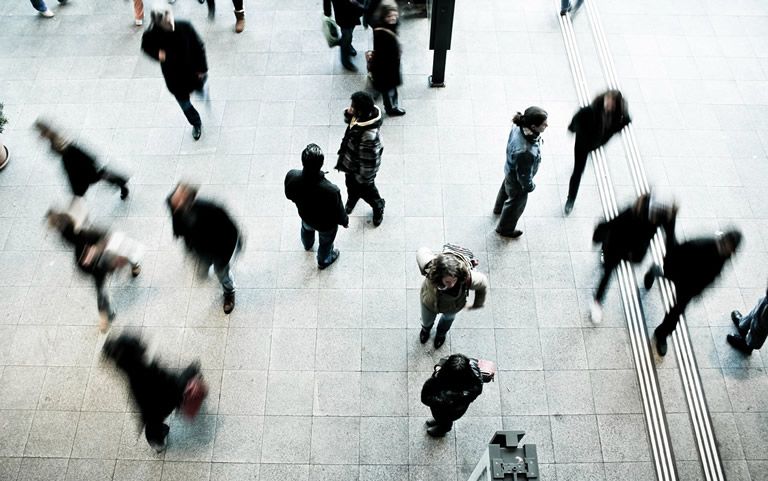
[661, 343]
[424, 335]
[739, 344]
[378, 212]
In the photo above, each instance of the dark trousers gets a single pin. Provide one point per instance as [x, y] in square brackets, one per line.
[156, 430]
[193, 117]
[673, 316]
[325, 248]
[113, 178]
[345, 45]
[102, 296]
[581, 151]
[390, 99]
[510, 203]
[608, 267]
[368, 192]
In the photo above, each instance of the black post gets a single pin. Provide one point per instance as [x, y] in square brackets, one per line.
[437, 79]
[441, 27]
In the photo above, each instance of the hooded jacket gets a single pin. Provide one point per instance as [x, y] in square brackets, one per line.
[317, 199]
[360, 149]
[628, 235]
[385, 66]
[588, 123]
[208, 231]
[449, 402]
[184, 56]
[523, 159]
[693, 265]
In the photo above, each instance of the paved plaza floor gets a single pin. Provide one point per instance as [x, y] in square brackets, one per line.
[316, 375]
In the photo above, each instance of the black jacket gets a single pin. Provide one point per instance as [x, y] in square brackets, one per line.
[693, 265]
[588, 126]
[385, 68]
[184, 56]
[81, 240]
[81, 168]
[317, 198]
[360, 150]
[448, 402]
[346, 12]
[628, 236]
[208, 231]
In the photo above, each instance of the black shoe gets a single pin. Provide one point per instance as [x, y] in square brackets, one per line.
[661, 343]
[436, 432]
[334, 256]
[124, 193]
[496, 212]
[736, 318]
[229, 302]
[739, 344]
[568, 206]
[378, 213]
[350, 66]
[564, 11]
[513, 235]
[431, 423]
[423, 336]
[197, 131]
[396, 112]
[650, 276]
[439, 340]
[352, 51]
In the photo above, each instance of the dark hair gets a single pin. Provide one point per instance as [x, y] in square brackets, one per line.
[618, 100]
[446, 265]
[363, 103]
[533, 116]
[312, 157]
[457, 371]
[732, 237]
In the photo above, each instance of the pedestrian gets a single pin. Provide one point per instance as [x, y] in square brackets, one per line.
[347, 14]
[360, 154]
[98, 253]
[181, 53]
[448, 278]
[209, 233]
[385, 64]
[523, 159]
[138, 12]
[627, 237]
[319, 203]
[82, 169]
[752, 328]
[565, 6]
[594, 125]
[692, 266]
[157, 391]
[239, 12]
[43, 9]
[449, 392]
[370, 17]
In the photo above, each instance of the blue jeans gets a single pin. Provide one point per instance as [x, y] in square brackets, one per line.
[325, 249]
[753, 327]
[428, 320]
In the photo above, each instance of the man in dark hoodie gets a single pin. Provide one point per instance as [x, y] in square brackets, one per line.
[209, 233]
[752, 328]
[692, 266]
[319, 204]
[360, 154]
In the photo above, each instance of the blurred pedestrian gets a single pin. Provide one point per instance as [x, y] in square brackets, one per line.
[157, 391]
[138, 12]
[523, 159]
[98, 253]
[82, 169]
[181, 53]
[319, 203]
[594, 125]
[239, 12]
[565, 6]
[347, 14]
[449, 392]
[752, 328]
[692, 266]
[448, 278]
[360, 154]
[209, 233]
[627, 237]
[43, 9]
[385, 64]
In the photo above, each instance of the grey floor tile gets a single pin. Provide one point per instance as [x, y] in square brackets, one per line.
[238, 439]
[292, 349]
[21, 387]
[290, 392]
[581, 471]
[247, 349]
[384, 394]
[191, 440]
[384, 308]
[607, 348]
[52, 434]
[758, 470]
[39, 469]
[177, 470]
[384, 350]
[15, 427]
[138, 470]
[617, 392]
[342, 473]
[519, 349]
[91, 469]
[98, 435]
[338, 350]
[335, 440]
[620, 471]
[286, 439]
[337, 394]
[234, 472]
[575, 439]
[339, 308]
[563, 349]
[569, 392]
[243, 392]
[383, 473]
[623, 437]
[472, 436]
[423, 449]
[373, 430]
[726, 433]
[521, 393]
[296, 308]
[514, 308]
[752, 427]
[746, 388]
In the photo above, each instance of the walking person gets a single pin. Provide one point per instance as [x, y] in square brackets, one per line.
[98, 253]
[138, 12]
[43, 9]
[157, 391]
[385, 64]
[209, 233]
[692, 266]
[565, 6]
[360, 154]
[523, 159]
[81, 168]
[448, 278]
[181, 53]
[347, 14]
[752, 328]
[449, 392]
[594, 125]
[239, 12]
[319, 204]
[627, 237]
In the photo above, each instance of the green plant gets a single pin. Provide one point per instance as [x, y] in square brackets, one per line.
[3, 120]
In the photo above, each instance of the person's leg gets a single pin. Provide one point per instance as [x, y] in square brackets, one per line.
[156, 433]
[739, 343]
[565, 6]
[501, 197]
[116, 180]
[193, 117]
[580, 154]
[211, 8]
[307, 236]
[345, 48]
[512, 210]
[608, 268]
[203, 268]
[227, 280]
[446, 320]
[325, 251]
[39, 5]
[106, 312]
[239, 15]
[670, 323]
[427, 318]
[370, 194]
[138, 10]
[353, 192]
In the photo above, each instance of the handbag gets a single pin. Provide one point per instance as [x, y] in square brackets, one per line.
[194, 394]
[331, 31]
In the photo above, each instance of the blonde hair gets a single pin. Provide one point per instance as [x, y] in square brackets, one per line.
[161, 15]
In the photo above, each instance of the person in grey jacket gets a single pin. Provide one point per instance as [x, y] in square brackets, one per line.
[523, 159]
[448, 278]
[753, 328]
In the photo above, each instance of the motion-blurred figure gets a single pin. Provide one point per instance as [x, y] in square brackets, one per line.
[239, 12]
[594, 125]
[347, 14]
[82, 169]
[156, 391]
[385, 64]
[627, 237]
[181, 53]
[449, 392]
[565, 6]
[692, 266]
[209, 233]
[753, 328]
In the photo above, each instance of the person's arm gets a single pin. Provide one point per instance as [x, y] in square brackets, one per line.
[327, 8]
[341, 212]
[524, 170]
[431, 394]
[480, 286]
[200, 60]
[149, 44]
[423, 257]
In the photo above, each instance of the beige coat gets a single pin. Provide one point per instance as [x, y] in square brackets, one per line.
[440, 301]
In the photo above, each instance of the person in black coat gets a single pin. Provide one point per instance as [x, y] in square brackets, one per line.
[347, 14]
[594, 125]
[82, 169]
[385, 66]
[319, 204]
[692, 266]
[628, 237]
[209, 233]
[156, 391]
[449, 392]
[181, 53]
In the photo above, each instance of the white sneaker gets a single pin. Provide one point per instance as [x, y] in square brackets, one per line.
[596, 312]
[138, 22]
[47, 14]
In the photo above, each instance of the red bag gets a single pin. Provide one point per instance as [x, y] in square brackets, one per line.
[194, 395]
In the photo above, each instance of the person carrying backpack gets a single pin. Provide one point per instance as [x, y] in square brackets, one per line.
[448, 278]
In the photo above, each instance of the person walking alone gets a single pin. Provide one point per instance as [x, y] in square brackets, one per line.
[523, 159]
[319, 204]
[752, 328]
[347, 14]
[181, 53]
[449, 392]
[360, 154]
[385, 65]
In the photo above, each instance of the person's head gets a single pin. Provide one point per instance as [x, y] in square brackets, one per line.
[124, 350]
[446, 271]
[58, 220]
[612, 100]
[312, 158]
[728, 242]
[362, 106]
[388, 13]
[48, 132]
[532, 122]
[161, 16]
[182, 196]
[457, 370]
